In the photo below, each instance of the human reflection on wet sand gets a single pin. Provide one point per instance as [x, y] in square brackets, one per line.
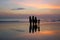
[34, 24]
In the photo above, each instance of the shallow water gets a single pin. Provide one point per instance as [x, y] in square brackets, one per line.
[20, 31]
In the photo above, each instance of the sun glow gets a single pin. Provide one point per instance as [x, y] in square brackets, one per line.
[47, 32]
[38, 6]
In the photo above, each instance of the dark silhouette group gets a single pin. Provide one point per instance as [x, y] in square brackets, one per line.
[34, 24]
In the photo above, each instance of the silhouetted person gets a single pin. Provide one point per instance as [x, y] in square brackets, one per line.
[35, 24]
[33, 18]
[30, 21]
[38, 25]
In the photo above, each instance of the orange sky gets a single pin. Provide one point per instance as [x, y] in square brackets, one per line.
[30, 6]
[39, 6]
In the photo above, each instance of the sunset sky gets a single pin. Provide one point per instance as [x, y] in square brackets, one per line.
[14, 16]
[29, 7]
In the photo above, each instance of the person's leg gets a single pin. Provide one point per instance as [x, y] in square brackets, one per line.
[33, 28]
[38, 28]
[30, 28]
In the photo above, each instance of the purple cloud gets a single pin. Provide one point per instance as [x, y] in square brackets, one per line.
[19, 9]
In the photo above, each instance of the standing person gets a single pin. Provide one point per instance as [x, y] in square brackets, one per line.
[38, 25]
[30, 21]
[35, 24]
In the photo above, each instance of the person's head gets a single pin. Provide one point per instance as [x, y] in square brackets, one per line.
[32, 16]
[29, 16]
[38, 21]
[35, 18]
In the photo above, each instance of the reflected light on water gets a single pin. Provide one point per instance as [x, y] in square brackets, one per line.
[47, 32]
[42, 33]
